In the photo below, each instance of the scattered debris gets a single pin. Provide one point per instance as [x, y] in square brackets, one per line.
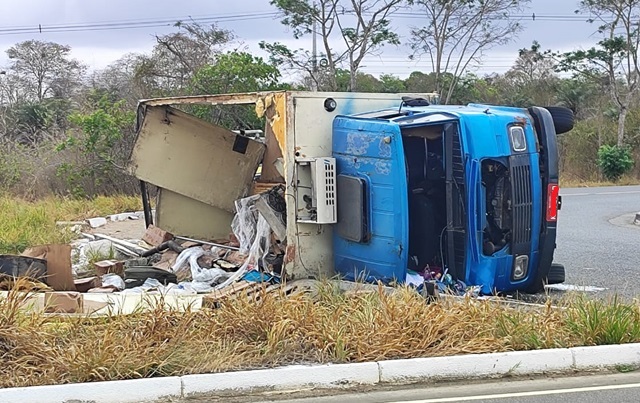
[22, 266]
[63, 302]
[126, 216]
[109, 266]
[156, 236]
[58, 257]
[111, 282]
[136, 276]
[86, 284]
[97, 222]
[570, 287]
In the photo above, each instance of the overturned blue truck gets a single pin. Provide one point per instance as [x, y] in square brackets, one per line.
[378, 187]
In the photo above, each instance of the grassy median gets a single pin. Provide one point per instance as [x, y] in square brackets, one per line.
[332, 326]
[275, 330]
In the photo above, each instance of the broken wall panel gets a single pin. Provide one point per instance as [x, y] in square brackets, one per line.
[273, 108]
[184, 216]
[186, 155]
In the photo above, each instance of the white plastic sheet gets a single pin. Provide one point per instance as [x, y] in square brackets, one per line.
[112, 279]
[199, 274]
[257, 252]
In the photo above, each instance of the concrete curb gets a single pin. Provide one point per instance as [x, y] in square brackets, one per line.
[335, 376]
[476, 365]
[133, 390]
[324, 376]
[606, 356]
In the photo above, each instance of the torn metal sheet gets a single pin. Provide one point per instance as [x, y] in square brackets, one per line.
[181, 153]
[273, 106]
[227, 99]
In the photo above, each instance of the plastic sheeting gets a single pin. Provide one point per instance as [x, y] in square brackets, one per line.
[112, 279]
[199, 274]
[245, 222]
[184, 288]
[253, 233]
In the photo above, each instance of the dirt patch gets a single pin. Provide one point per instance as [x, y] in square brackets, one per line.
[128, 229]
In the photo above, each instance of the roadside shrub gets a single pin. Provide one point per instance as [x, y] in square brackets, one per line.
[101, 144]
[614, 161]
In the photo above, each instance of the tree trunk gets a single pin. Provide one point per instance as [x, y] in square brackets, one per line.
[621, 122]
[352, 80]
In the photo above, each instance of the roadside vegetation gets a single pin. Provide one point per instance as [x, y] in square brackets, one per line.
[66, 130]
[273, 330]
[26, 223]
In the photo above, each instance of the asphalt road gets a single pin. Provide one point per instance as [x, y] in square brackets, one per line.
[610, 388]
[597, 240]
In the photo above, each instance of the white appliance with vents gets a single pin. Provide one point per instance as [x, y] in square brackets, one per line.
[316, 190]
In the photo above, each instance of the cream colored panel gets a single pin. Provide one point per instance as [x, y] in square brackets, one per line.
[184, 216]
[189, 156]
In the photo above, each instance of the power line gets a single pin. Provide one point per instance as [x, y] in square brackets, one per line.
[132, 24]
[169, 21]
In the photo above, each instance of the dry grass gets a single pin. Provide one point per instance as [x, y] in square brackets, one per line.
[568, 181]
[333, 327]
[26, 223]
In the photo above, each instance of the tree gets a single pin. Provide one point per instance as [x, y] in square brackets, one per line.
[121, 81]
[579, 94]
[532, 80]
[45, 68]
[234, 72]
[363, 27]
[615, 57]
[392, 84]
[178, 56]
[456, 34]
[101, 143]
[420, 82]
[366, 82]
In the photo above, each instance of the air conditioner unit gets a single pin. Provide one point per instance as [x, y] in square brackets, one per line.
[316, 190]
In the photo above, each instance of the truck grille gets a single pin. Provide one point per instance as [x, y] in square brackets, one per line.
[456, 208]
[522, 203]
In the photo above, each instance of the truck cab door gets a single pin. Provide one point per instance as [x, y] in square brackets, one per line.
[371, 236]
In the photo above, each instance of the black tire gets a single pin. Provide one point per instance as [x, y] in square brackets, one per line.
[556, 274]
[23, 266]
[563, 118]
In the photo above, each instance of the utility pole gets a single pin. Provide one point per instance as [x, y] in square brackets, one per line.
[314, 53]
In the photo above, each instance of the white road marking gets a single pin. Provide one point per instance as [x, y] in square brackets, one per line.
[571, 287]
[524, 394]
[599, 193]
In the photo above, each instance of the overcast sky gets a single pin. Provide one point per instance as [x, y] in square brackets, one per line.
[251, 23]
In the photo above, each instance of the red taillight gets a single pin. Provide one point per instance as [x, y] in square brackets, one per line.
[553, 191]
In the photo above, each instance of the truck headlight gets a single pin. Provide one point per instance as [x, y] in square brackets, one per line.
[518, 138]
[520, 267]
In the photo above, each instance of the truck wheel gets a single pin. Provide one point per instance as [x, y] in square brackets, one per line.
[563, 118]
[556, 274]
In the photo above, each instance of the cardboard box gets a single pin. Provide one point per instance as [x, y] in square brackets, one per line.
[155, 236]
[109, 266]
[58, 257]
[85, 284]
[63, 302]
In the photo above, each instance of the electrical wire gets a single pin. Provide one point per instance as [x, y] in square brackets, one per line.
[169, 21]
[132, 24]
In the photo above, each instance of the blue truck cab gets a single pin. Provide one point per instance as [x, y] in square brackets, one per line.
[469, 190]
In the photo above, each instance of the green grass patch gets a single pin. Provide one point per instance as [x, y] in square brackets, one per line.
[26, 223]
